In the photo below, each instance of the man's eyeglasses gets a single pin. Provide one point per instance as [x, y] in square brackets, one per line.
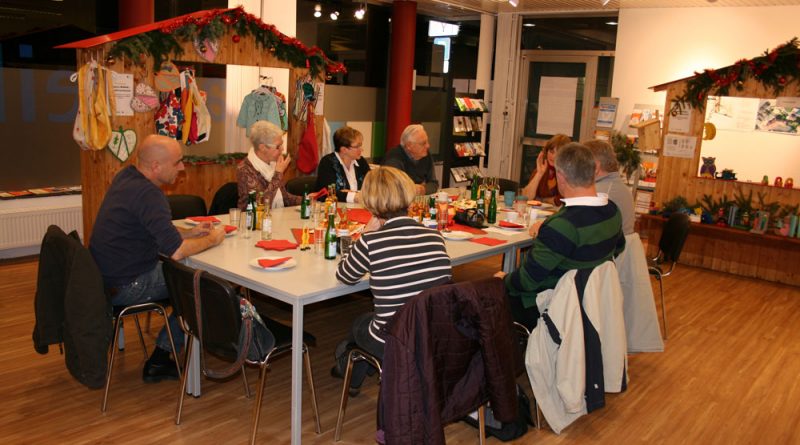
[355, 147]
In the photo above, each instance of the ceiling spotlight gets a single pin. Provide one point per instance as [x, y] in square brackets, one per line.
[335, 15]
[612, 23]
[317, 10]
[529, 25]
[604, 2]
[513, 3]
[360, 12]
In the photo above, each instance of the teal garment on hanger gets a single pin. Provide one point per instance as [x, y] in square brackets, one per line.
[258, 107]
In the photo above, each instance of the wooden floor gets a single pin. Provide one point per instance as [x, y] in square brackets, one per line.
[730, 375]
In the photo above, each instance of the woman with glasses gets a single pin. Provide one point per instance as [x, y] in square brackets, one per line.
[263, 168]
[543, 185]
[345, 168]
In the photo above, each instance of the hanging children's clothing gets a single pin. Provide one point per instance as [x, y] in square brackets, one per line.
[263, 104]
[183, 114]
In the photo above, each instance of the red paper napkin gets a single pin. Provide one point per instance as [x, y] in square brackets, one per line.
[276, 244]
[510, 225]
[468, 229]
[488, 241]
[272, 263]
[320, 194]
[200, 219]
[229, 228]
[298, 236]
[359, 215]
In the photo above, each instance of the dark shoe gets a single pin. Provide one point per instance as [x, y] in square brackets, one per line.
[155, 372]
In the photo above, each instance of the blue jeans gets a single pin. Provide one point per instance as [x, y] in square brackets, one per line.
[147, 287]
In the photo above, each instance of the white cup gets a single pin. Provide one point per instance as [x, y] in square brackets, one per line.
[534, 213]
[511, 216]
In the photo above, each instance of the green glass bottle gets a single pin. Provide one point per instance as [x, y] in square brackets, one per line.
[305, 204]
[330, 238]
[474, 190]
[491, 216]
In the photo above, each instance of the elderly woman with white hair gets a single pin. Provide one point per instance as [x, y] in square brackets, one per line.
[263, 169]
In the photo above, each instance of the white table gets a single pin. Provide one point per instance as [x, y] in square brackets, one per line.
[312, 281]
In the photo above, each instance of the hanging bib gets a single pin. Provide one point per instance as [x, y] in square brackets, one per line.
[122, 143]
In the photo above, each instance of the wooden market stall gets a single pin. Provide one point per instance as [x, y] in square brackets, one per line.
[240, 38]
[769, 256]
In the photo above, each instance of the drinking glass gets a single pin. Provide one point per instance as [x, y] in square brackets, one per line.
[235, 215]
[243, 229]
[345, 243]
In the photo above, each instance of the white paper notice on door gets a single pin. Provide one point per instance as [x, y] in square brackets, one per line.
[123, 93]
[679, 146]
[557, 105]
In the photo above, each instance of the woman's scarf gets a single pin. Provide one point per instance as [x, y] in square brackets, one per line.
[267, 170]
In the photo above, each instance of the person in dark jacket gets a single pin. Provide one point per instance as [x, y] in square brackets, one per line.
[133, 227]
[345, 168]
[412, 157]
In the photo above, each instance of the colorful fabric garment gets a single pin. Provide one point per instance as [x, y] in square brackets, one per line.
[257, 106]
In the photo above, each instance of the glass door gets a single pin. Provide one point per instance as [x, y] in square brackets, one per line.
[558, 92]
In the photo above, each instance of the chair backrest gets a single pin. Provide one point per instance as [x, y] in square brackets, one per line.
[183, 206]
[676, 229]
[227, 197]
[507, 185]
[220, 315]
[296, 185]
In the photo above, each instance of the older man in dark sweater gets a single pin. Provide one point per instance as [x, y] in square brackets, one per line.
[412, 157]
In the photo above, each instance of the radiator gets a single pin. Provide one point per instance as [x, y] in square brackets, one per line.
[23, 223]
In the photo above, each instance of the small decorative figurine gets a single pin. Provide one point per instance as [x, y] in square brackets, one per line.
[745, 221]
[789, 183]
[765, 180]
[708, 169]
[721, 217]
[727, 174]
[304, 238]
[778, 182]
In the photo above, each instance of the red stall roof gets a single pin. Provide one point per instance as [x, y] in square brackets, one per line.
[125, 33]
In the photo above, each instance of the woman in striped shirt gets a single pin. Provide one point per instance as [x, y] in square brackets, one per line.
[402, 257]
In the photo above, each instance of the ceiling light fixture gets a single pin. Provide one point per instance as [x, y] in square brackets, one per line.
[513, 3]
[317, 10]
[361, 11]
[335, 15]
[529, 25]
[612, 23]
[604, 2]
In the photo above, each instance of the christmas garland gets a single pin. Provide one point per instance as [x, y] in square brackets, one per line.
[222, 158]
[775, 69]
[162, 43]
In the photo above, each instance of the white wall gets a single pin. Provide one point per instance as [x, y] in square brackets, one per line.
[656, 46]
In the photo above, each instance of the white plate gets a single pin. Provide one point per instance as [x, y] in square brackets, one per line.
[194, 223]
[514, 229]
[544, 206]
[231, 233]
[457, 235]
[287, 265]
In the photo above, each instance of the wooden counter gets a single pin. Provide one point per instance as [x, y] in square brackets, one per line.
[769, 257]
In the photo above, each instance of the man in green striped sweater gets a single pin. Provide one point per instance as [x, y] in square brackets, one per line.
[585, 232]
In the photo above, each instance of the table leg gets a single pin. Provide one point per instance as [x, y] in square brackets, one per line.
[510, 259]
[297, 372]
